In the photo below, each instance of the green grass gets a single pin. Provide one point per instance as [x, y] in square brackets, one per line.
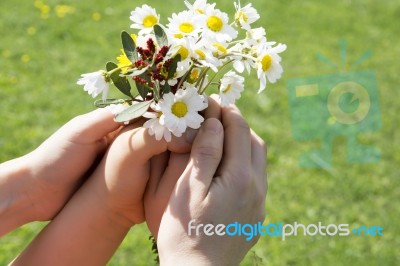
[41, 59]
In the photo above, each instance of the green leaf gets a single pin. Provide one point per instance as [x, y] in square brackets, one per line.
[173, 66]
[121, 83]
[137, 72]
[166, 88]
[161, 36]
[134, 111]
[156, 90]
[110, 66]
[141, 88]
[107, 102]
[129, 46]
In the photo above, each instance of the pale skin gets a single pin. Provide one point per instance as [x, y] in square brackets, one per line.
[166, 184]
[36, 186]
[227, 160]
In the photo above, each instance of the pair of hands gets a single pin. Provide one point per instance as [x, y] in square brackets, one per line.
[166, 184]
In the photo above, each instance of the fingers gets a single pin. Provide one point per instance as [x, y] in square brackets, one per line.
[237, 145]
[164, 174]
[176, 166]
[162, 181]
[144, 146]
[213, 109]
[92, 126]
[158, 164]
[204, 160]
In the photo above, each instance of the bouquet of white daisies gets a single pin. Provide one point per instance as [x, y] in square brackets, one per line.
[171, 66]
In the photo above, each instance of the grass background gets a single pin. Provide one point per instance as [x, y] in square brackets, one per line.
[42, 53]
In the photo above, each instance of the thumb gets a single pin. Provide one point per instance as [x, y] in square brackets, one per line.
[145, 146]
[205, 157]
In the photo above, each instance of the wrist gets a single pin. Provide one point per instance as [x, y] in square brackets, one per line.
[16, 206]
[187, 258]
[187, 253]
[103, 201]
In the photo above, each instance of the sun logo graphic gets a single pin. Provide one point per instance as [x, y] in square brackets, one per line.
[343, 104]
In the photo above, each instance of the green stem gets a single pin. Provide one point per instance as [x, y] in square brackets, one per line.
[215, 75]
[245, 56]
[201, 79]
[109, 73]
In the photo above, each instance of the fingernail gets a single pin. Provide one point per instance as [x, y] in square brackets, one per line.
[190, 135]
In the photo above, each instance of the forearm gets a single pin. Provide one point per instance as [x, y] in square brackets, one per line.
[85, 232]
[189, 259]
[16, 207]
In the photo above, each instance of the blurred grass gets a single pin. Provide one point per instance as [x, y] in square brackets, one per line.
[42, 57]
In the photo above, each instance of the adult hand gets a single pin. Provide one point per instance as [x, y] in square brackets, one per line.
[213, 189]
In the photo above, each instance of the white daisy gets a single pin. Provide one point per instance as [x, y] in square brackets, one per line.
[199, 6]
[217, 26]
[183, 47]
[219, 49]
[269, 64]
[241, 62]
[180, 111]
[191, 49]
[194, 75]
[256, 36]
[95, 83]
[246, 15]
[200, 86]
[154, 126]
[203, 53]
[144, 18]
[185, 23]
[231, 86]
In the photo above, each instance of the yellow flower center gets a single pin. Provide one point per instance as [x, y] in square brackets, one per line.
[194, 75]
[179, 109]
[186, 27]
[227, 89]
[200, 11]
[214, 23]
[178, 36]
[241, 16]
[266, 62]
[201, 54]
[149, 21]
[220, 48]
[184, 52]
